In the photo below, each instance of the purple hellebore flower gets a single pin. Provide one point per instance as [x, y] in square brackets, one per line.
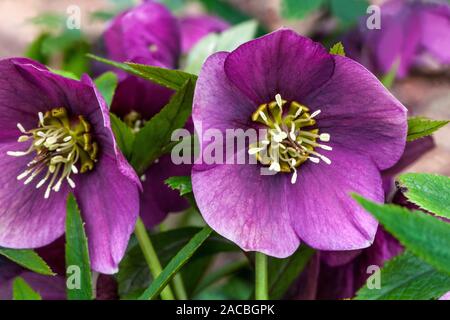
[338, 126]
[194, 28]
[147, 34]
[56, 138]
[417, 33]
[51, 287]
[150, 34]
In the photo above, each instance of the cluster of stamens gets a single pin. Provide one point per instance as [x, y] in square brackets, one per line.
[62, 145]
[291, 137]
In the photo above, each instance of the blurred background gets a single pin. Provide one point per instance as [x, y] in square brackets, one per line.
[36, 28]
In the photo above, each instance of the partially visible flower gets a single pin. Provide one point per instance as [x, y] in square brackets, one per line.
[414, 33]
[147, 34]
[331, 126]
[194, 28]
[51, 287]
[339, 274]
[56, 138]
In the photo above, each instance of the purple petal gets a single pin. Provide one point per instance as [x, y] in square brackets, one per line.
[140, 95]
[109, 203]
[436, 32]
[20, 100]
[218, 104]
[360, 114]
[282, 62]
[338, 258]
[246, 208]
[148, 30]
[194, 28]
[157, 199]
[322, 212]
[50, 288]
[27, 219]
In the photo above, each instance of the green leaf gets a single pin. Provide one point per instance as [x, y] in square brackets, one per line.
[79, 283]
[106, 84]
[27, 259]
[388, 79]
[295, 9]
[406, 277]
[134, 276]
[283, 272]
[348, 11]
[226, 41]
[176, 264]
[428, 191]
[150, 140]
[338, 49]
[23, 291]
[419, 127]
[124, 135]
[424, 235]
[34, 50]
[66, 74]
[181, 183]
[172, 79]
[224, 10]
[200, 52]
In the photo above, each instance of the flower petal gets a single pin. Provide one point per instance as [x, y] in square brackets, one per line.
[321, 209]
[20, 101]
[246, 208]
[109, 204]
[148, 30]
[281, 62]
[194, 28]
[218, 104]
[157, 199]
[27, 219]
[360, 114]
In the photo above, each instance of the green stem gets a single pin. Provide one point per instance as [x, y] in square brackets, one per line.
[261, 277]
[150, 256]
[178, 287]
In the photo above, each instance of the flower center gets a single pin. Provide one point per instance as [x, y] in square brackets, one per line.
[61, 143]
[291, 138]
[134, 120]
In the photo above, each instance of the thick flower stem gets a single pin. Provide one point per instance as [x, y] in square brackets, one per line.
[150, 256]
[261, 277]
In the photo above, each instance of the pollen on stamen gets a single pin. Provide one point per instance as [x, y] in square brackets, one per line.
[279, 100]
[21, 128]
[315, 113]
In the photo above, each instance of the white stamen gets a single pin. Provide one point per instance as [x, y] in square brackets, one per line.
[253, 151]
[143, 178]
[263, 116]
[265, 142]
[315, 113]
[292, 133]
[74, 169]
[71, 182]
[314, 160]
[21, 128]
[275, 166]
[294, 176]
[23, 174]
[279, 100]
[325, 137]
[299, 111]
[41, 118]
[325, 147]
[67, 139]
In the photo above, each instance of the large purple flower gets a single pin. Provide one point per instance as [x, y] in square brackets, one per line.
[416, 33]
[332, 127]
[55, 138]
[150, 34]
